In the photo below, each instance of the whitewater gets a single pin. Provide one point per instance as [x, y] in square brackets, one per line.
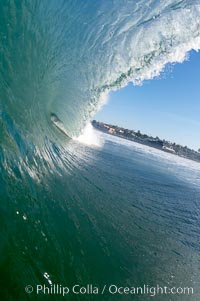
[64, 59]
[77, 207]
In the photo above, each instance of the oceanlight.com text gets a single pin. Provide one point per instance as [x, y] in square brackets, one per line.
[112, 289]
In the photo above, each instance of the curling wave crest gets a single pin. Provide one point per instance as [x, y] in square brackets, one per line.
[63, 58]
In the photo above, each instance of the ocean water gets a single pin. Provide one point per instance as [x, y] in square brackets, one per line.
[93, 209]
[121, 214]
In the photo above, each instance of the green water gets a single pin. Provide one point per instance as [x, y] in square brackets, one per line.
[71, 214]
[116, 216]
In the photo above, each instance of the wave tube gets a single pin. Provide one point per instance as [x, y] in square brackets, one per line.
[60, 58]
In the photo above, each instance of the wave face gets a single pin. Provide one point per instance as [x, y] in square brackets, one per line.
[70, 213]
[62, 57]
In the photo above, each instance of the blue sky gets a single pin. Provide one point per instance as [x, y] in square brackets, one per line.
[168, 106]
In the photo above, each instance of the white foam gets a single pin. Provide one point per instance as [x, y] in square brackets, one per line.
[181, 167]
[89, 137]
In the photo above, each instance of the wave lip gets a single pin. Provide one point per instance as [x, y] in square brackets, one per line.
[64, 58]
[58, 124]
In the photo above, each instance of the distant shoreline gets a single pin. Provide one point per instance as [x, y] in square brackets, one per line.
[155, 142]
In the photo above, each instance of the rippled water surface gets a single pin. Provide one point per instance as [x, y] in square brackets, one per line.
[123, 213]
[72, 213]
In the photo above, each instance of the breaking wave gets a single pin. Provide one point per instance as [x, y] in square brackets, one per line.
[69, 213]
[61, 59]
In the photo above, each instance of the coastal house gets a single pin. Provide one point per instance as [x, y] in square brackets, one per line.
[111, 131]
